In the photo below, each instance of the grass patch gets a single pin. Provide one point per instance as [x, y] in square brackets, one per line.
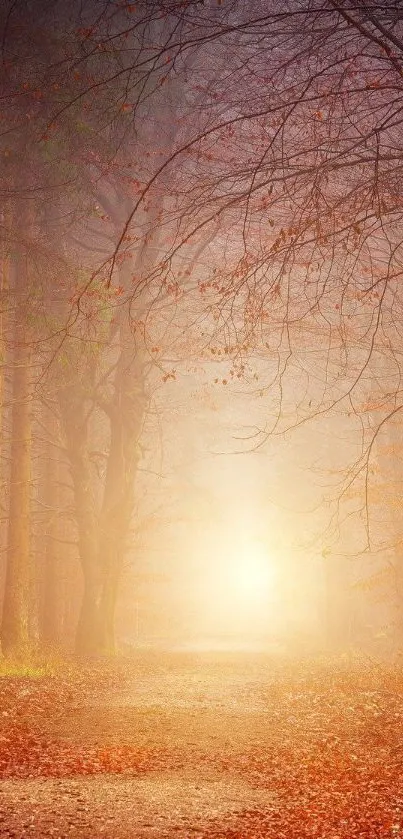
[36, 664]
[26, 670]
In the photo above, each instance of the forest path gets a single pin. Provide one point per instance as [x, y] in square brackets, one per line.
[212, 745]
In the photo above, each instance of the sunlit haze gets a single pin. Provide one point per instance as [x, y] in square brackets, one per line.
[201, 419]
[237, 584]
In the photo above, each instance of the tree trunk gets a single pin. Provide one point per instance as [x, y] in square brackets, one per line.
[14, 630]
[76, 428]
[126, 417]
[389, 459]
[4, 288]
[51, 605]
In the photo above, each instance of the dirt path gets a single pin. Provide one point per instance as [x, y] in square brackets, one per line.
[205, 746]
[172, 804]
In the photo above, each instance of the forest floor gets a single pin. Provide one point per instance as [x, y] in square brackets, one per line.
[225, 746]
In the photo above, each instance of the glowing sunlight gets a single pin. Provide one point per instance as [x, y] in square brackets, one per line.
[252, 574]
[238, 592]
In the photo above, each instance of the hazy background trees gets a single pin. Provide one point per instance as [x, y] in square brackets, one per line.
[201, 202]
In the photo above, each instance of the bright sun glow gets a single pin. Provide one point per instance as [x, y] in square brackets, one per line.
[238, 588]
[251, 572]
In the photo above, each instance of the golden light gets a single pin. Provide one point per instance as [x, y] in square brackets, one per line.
[238, 587]
[251, 574]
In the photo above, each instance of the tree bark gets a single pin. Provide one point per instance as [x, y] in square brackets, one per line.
[51, 602]
[76, 429]
[126, 417]
[15, 629]
[4, 288]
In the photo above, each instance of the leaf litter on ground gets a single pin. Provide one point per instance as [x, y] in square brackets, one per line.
[319, 742]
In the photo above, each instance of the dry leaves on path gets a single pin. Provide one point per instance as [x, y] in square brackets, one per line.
[237, 747]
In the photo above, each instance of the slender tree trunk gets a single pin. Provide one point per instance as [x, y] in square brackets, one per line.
[51, 603]
[126, 416]
[389, 457]
[76, 428]
[4, 287]
[14, 630]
